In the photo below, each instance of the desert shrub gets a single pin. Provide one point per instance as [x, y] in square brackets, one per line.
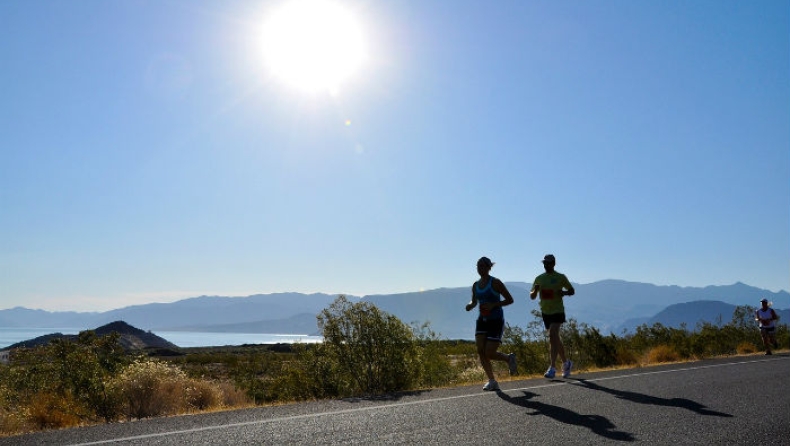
[454, 347]
[251, 372]
[311, 375]
[435, 364]
[584, 344]
[232, 396]
[11, 422]
[436, 368]
[743, 318]
[320, 374]
[85, 367]
[571, 336]
[662, 353]
[203, 395]
[367, 350]
[587, 346]
[48, 411]
[745, 348]
[625, 355]
[72, 371]
[596, 349]
[530, 345]
[712, 340]
[472, 373]
[646, 338]
[149, 388]
[782, 335]
[12, 419]
[531, 355]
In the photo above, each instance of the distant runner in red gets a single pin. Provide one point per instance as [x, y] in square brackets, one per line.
[488, 292]
[552, 287]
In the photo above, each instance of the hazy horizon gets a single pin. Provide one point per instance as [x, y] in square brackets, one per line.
[176, 299]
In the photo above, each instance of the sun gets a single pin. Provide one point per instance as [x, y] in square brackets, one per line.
[313, 45]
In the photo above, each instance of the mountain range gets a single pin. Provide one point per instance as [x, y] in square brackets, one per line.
[611, 306]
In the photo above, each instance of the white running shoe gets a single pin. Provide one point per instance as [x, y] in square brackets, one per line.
[511, 364]
[566, 368]
[491, 385]
[550, 373]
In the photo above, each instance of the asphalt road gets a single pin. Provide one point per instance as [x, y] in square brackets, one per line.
[742, 400]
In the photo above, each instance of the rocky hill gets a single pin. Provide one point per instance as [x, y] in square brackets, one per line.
[131, 338]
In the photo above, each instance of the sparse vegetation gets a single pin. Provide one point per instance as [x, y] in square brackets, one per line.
[366, 352]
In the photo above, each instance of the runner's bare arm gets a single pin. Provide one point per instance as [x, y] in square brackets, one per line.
[473, 302]
[500, 288]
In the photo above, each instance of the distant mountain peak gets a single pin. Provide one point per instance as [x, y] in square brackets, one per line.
[131, 338]
[119, 327]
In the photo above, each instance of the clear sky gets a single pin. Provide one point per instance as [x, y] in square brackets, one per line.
[151, 151]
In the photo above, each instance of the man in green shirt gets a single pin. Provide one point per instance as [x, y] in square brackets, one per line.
[552, 286]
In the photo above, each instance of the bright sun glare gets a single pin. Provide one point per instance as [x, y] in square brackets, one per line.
[313, 45]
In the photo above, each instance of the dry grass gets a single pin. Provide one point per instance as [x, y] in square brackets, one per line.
[151, 388]
[661, 354]
[49, 411]
[746, 348]
[13, 422]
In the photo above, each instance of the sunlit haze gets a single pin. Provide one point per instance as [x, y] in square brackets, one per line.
[313, 45]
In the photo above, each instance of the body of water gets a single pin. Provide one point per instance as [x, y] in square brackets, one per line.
[203, 339]
[10, 336]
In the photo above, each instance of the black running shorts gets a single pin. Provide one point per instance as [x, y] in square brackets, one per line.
[555, 318]
[492, 328]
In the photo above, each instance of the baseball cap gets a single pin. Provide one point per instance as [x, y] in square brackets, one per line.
[485, 261]
[764, 300]
[549, 258]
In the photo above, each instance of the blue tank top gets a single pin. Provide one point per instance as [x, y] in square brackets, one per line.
[485, 295]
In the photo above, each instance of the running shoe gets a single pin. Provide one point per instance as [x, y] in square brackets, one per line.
[768, 353]
[511, 363]
[566, 368]
[491, 385]
[550, 373]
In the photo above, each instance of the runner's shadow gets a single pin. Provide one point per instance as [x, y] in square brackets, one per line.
[597, 424]
[641, 398]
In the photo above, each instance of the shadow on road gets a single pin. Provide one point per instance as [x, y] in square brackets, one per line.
[385, 397]
[641, 398]
[597, 424]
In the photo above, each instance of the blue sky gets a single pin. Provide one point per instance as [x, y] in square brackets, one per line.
[148, 154]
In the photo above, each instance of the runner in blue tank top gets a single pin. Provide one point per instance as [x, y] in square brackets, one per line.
[488, 292]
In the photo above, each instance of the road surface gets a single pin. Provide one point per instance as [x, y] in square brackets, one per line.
[740, 400]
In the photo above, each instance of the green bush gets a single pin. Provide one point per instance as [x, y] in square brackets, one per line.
[250, 374]
[599, 351]
[74, 372]
[435, 364]
[367, 351]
